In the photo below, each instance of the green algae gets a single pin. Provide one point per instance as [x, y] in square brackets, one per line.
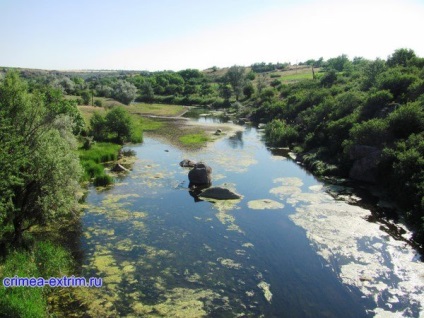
[124, 245]
[289, 181]
[229, 263]
[264, 286]
[264, 204]
[179, 303]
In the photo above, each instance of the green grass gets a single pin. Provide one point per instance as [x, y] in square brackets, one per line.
[194, 139]
[44, 260]
[100, 152]
[296, 76]
[147, 124]
[155, 109]
[92, 159]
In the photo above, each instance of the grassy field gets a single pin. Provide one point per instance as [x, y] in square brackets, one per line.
[156, 109]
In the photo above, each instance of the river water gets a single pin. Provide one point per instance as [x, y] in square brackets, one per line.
[286, 249]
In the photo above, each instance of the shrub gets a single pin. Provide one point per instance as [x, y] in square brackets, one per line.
[102, 180]
[406, 120]
[373, 132]
[279, 133]
[375, 102]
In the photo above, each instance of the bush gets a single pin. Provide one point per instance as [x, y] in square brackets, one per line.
[98, 103]
[403, 172]
[103, 180]
[406, 120]
[373, 132]
[279, 133]
[375, 102]
[396, 82]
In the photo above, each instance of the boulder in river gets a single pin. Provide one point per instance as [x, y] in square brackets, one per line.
[219, 193]
[200, 174]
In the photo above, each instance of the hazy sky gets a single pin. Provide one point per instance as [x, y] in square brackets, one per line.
[178, 34]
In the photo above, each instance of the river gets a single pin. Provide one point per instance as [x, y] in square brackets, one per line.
[286, 249]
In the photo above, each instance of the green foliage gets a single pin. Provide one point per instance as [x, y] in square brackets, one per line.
[194, 139]
[98, 103]
[119, 123]
[100, 152]
[371, 71]
[86, 97]
[98, 127]
[44, 260]
[397, 82]
[235, 76]
[329, 78]
[124, 92]
[375, 103]
[407, 120]
[339, 64]
[92, 159]
[373, 132]
[248, 90]
[279, 133]
[404, 175]
[401, 57]
[102, 180]
[39, 179]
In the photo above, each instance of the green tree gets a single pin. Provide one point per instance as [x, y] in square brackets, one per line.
[329, 78]
[340, 63]
[371, 71]
[406, 120]
[248, 90]
[236, 78]
[86, 97]
[225, 91]
[98, 127]
[41, 170]
[400, 57]
[124, 91]
[147, 93]
[119, 122]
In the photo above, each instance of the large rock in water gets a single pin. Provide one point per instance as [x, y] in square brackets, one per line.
[200, 174]
[366, 160]
[219, 193]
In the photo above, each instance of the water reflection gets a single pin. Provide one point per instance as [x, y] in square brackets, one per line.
[236, 141]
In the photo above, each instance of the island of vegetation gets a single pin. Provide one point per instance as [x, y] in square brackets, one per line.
[344, 118]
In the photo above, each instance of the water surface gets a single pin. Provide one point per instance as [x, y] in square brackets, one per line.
[162, 252]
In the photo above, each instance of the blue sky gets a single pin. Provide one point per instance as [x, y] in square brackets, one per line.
[178, 34]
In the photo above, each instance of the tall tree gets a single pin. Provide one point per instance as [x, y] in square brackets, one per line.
[236, 78]
[40, 173]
